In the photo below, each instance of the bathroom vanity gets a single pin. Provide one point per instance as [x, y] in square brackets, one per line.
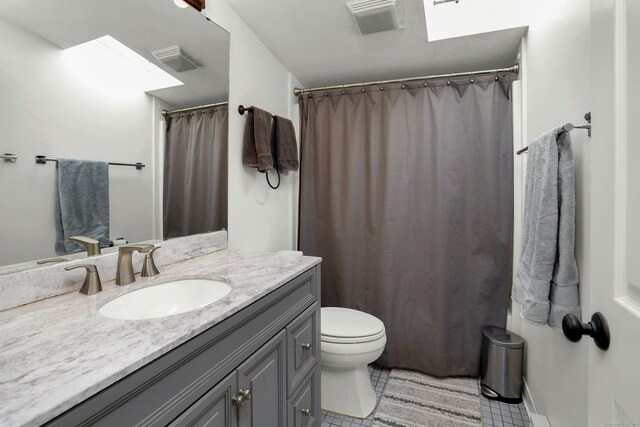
[250, 359]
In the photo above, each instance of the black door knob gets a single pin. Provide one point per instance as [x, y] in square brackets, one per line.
[598, 329]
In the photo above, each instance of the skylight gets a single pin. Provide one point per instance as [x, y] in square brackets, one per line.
[112, 68]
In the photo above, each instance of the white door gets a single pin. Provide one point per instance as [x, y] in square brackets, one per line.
[614, 375]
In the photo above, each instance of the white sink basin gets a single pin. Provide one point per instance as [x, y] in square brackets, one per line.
[166, 299]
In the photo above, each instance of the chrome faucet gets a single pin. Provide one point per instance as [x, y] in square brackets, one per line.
[91, 284]
[124, 273]
[92, 246]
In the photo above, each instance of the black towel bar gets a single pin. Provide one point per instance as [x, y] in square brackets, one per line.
[242, 109]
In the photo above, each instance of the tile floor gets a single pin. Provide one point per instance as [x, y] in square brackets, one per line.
[494, 413]
[501, 414]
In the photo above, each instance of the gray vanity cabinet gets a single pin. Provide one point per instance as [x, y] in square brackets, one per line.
[257, 368]
[214, 409]
[265, 406]
[263, 374]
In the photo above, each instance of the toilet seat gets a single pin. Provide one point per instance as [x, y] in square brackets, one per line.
[346, 326]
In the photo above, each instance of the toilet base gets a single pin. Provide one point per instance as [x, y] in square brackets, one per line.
[348, 391]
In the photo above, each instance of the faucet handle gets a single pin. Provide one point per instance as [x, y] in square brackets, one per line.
[92, 246]
[136, 247]
[92, 284]
[148, 265]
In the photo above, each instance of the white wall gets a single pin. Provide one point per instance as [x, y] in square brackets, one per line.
[45, 110]
[259, 218]
[556, 87]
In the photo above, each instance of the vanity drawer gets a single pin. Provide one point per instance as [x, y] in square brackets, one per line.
[303, 409]
[303, 346]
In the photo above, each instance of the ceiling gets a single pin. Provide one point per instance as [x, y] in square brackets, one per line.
[319, 43]
[143, 26]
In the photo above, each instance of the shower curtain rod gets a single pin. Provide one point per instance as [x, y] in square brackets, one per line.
[190, 109]
[515, 68]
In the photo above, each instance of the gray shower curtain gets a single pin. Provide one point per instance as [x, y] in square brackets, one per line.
[407, 195]
[195, 173]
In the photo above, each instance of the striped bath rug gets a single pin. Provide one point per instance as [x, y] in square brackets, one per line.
[412, 399]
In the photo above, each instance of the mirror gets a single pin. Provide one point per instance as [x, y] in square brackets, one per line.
[61, 99]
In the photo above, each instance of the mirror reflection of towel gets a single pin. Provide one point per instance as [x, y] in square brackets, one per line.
[82, 202]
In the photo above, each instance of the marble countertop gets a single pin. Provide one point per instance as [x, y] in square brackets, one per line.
[58, 352]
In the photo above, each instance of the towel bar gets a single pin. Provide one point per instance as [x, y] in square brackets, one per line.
[9, 157]
[242, 109]
[568, 127]
[42, 160]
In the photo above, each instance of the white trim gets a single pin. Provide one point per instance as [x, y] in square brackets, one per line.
[528, 399]
[539, 421]
[536, 419]
[619, 147]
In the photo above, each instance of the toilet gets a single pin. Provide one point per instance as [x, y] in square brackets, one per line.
[350, 340]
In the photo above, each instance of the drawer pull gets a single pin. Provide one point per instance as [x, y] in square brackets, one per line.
[306, 346]
[241, 398]
[306, 412]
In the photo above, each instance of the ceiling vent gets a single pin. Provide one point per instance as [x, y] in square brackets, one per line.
[176, 58]
[374, 16]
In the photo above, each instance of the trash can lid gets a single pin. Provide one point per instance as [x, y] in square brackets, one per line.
[502, 337]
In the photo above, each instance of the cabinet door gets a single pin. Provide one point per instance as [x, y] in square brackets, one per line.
[214, 409]
[264, 375]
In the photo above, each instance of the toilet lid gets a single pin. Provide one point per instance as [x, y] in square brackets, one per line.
[343, 325]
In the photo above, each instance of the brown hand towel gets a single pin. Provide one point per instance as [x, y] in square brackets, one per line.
[286, 145]
[256, 148]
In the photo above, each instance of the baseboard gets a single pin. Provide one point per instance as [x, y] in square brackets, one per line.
[536, 419]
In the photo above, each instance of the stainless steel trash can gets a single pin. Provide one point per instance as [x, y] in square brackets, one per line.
[501, 368]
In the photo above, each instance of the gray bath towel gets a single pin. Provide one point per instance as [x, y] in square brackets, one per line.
[286, 145]
[82, 202]
[256, 147]
[546, 284]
